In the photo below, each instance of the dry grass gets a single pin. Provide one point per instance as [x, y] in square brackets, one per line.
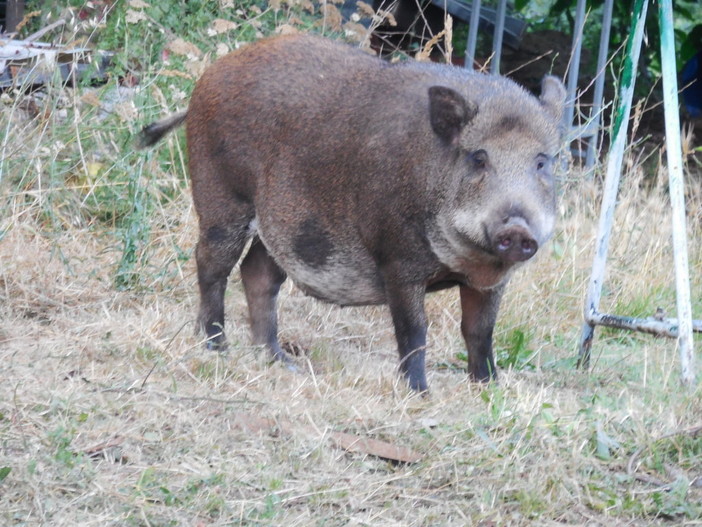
[112, 413]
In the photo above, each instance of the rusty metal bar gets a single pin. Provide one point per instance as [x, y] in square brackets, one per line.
[661, 327]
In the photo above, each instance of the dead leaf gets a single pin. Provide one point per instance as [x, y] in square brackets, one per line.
[182, 47]
[157, 94]
[197, 67]
[222, 49]
[356, 32]
[331, 18]
[93, 168]
[25, 20]
[365, 9]
[129, 80]
[429, 422]
[110, 450]
[138, 4]
[134, 17]
[91, 98]
[126, 111]
[424, 54]
[286, 29]
[374, 447]
[252, 424]
[220, 26]
[387, 15]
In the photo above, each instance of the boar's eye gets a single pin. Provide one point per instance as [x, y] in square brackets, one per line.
[543, 162]
[543, 168]
[479, 159]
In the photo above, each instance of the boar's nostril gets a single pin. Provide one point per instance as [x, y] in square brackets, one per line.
[515, 245]
[529, 248]
[504, 244]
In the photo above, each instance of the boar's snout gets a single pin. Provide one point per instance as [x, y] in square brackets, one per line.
[514, 241]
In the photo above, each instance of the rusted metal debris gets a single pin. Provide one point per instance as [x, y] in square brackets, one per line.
[25, 63]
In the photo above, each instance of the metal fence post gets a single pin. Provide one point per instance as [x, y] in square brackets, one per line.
[472, 34]
[677, 191]
[497, 39]
[574, 67]
[614, 166]
[595, 114]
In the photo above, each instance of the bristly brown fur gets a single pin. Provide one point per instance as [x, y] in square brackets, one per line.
[365, 183]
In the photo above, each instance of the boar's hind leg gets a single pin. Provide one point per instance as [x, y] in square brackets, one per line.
[407, 308]
[218, 249]
[262, 278]
[479, 311]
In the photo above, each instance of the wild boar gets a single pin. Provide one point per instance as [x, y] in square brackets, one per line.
[366, 183]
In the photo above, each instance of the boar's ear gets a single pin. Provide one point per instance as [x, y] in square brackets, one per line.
[553, 95]
[449, 112]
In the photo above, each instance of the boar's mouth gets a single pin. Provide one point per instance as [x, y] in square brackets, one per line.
[475, 246]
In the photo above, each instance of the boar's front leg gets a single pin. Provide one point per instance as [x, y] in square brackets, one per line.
[406, 304]
[479, 312]
[262, 278]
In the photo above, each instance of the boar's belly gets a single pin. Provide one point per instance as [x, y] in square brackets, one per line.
[344, 279]
[328, 263]
[338, 281]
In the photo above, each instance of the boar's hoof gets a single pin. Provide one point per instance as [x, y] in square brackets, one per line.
[279, 356]
[290, 366]
[216, 344]
[515, 244]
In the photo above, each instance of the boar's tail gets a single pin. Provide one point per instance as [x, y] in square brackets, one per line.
[152, 133]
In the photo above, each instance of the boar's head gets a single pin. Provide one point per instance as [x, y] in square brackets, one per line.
[499, 200]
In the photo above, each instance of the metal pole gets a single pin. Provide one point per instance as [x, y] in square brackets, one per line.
[497, 37]
[677, 193]
[574, 68]
[661, 327]
[595, 114]
[614, 165]
[14, 13]
[472, 35]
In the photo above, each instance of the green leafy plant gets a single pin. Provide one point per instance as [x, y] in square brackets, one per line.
[514, 351]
